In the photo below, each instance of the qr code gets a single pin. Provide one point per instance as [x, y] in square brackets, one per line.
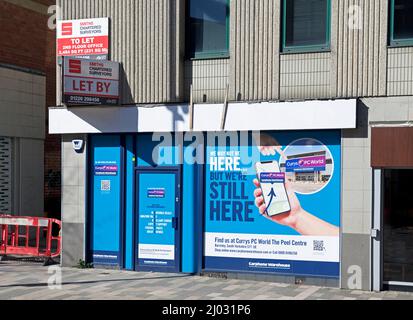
[105, 185]
[318, 245]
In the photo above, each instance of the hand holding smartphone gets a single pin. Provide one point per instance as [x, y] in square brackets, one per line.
[272, 186]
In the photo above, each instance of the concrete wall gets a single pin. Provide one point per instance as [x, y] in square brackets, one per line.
[209, 80]
[357, 192]
[356, 202]
[148, 37]
[22, 118]
[73, 201]
[359, 50]
[355, 66]
[32, 45]
[305, 76]
[400, 71]
[254, 50]
[22, 104]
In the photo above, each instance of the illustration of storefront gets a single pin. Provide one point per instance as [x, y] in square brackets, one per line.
[320, 173]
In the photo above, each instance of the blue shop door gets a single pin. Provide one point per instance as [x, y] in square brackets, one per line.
[105, 218]
[158, 215]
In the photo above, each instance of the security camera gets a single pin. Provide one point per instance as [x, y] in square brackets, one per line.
[78, 145]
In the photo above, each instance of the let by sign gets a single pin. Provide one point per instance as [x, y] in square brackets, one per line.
[90, 82]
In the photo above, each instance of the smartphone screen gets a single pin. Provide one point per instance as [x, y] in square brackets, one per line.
[273, 189]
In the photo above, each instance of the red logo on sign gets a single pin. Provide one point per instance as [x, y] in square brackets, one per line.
[75, 66]
[67, 29]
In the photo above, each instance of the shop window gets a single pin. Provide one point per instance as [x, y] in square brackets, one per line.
[401, 23]
[207, 29]
[306, 25]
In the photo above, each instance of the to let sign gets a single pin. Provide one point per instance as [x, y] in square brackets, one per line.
[88, 82]
[85, 37]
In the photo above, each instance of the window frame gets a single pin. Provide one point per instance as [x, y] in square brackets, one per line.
[392, 42]
[218, 54]
[325, 47]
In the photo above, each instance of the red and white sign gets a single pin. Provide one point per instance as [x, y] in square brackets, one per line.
[85, 37]
[90, 82]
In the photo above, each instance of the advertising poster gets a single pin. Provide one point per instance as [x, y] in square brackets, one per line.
[88, 38]
[90, 82]
[273, 204]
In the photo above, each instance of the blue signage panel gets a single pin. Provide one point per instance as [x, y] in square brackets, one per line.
[106, 197]
[272, 177]
[156, 214]
[299, 174]
[306, 164]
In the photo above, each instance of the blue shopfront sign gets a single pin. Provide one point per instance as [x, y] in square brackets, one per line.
[297, 174]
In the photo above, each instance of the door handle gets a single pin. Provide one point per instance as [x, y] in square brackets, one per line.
[175, 223]
[375, 234]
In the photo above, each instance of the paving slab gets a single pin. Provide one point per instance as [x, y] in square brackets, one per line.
[19, 281]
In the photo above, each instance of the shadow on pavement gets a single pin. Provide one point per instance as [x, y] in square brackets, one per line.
[33, 285]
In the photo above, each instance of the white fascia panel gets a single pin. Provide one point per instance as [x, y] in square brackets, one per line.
[308, 115]
[338, 114]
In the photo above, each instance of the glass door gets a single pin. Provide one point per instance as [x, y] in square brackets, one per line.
[398, 227]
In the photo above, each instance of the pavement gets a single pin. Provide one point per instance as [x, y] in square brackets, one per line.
[32, 281]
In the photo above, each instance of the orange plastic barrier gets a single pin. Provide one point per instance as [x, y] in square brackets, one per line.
[22, 236]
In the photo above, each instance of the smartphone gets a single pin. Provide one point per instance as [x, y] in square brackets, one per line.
[273, 188]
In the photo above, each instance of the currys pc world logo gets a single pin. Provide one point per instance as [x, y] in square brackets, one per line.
[156, 193]
[272, 177]
[106, 170]
[316, 163]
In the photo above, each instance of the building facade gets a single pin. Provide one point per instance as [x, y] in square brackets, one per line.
[328, 80]
[29, 156]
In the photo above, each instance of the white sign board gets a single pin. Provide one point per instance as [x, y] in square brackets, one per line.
[90, 82]
[83, 38]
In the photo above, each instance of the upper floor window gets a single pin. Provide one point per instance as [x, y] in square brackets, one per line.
[401, 22]
[208, 28]
[306, 25]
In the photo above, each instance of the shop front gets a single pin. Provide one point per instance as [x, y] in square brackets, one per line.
[241, 195]
[216, 202]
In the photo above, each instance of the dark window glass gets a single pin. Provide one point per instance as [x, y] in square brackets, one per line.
[306, 23]
[208, 27]
[398, 225]
[403, 20]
